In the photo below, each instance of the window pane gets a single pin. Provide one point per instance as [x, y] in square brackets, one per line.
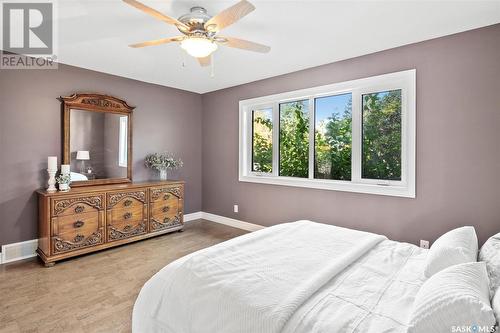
[122, 142]
[332, 137]
[294, 139]
[382, 135]
[262, 140]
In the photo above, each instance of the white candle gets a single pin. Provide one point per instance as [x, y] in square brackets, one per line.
[65, 169]
[52, 163]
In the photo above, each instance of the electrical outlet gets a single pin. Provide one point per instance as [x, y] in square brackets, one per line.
[424, 244]
[236, 209]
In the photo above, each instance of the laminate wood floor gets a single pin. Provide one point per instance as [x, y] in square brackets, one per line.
[96, 292]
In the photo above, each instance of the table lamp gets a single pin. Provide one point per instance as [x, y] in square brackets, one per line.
[82, 155]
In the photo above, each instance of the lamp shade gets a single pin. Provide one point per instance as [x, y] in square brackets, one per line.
[82, 155]
[198, 47]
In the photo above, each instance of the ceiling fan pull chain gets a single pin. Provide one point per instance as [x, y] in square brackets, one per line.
[212, 66]
[183, 64]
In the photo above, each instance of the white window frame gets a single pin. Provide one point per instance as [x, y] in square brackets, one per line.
[404, 81]
[123, 142]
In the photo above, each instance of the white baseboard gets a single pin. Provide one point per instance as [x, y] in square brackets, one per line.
[231, 222]
[23, 250]
[193, 216]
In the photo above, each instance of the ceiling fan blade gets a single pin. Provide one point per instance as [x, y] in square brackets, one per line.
[156, 14]
[157, 42]
[229, 16]
[244, 44]
[205, 61]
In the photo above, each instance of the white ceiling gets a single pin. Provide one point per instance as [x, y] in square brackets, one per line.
[302, 34]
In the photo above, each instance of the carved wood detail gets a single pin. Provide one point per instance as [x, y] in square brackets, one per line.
[157, 192]
[102, 102]
[126, 232]
[97, 101]
[61, 245]
[61, 205]
[166, 223]
[115, 198]
[78, 222]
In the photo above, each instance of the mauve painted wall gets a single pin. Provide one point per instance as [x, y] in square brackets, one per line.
[458, 140]
[30, 130]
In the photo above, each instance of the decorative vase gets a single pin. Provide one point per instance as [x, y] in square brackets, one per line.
[163, 174]
[63, 187]
[52, 180]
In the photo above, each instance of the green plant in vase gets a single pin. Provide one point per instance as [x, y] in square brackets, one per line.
[163, 162]
[64, 180]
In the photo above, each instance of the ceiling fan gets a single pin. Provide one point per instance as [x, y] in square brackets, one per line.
[200, 30]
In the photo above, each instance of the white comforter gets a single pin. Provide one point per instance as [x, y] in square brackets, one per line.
[293, 277]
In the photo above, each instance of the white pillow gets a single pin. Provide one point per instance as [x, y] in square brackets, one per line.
[490, 254]
[496, 305]
[454, 247]
[457, 296]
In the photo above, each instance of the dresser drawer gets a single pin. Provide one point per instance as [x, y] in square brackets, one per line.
[126, 229]
[127, 215]
[165, 194]
[168, 208]
[127, 199]
[136, 213]
[164, 222]
[77, 205]
[125, 223]
[75, 223]
[74, 232]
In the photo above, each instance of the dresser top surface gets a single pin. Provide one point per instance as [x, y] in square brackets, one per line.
[111, 187]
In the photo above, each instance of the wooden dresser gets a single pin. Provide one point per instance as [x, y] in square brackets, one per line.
[92, 218]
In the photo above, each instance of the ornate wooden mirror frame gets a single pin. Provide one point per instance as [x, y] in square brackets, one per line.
[96, 103]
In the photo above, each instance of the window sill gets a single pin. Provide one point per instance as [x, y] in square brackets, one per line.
[332, 185]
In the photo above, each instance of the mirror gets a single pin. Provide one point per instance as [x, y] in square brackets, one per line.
[97, 135]
[98, 145]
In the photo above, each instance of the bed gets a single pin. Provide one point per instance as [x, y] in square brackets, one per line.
[75, 176]
[293, 277]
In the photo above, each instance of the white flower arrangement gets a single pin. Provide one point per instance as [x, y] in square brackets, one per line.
[163, 161]
[63, 179]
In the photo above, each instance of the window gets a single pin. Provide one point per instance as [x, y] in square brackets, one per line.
[262, 140]
[294, 139]
[382, 135]
[333, 137]
[356, 136]
[122, 144]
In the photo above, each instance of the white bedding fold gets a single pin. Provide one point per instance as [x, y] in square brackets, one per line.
[253, 283]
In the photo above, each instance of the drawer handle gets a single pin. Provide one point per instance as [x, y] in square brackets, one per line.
[166, 209]
[78, 224]
[166, 196]
[127, 228]
[79, 209]
[127, 215]
[166, 220]
[78, 238]
[127, 202]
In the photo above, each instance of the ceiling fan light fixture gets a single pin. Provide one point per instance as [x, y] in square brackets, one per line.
[198, 47]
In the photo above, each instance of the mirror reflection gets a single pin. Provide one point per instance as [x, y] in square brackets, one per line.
[98, 145]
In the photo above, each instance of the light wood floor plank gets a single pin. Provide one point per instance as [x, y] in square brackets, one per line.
[96, 292]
